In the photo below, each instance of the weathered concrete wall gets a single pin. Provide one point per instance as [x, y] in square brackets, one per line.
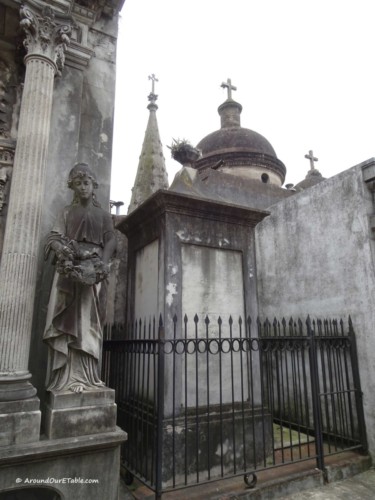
[147, 282]
[315, 255]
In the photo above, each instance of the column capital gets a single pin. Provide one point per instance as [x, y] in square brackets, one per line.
[46, 37]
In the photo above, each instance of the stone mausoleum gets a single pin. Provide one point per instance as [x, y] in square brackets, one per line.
[228, 238]
[225, 238]
[57, 87]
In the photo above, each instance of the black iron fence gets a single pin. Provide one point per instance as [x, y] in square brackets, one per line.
[205, 400]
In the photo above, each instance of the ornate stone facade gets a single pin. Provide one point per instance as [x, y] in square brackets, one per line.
[46, 125]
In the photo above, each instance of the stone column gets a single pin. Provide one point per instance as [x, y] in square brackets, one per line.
[45, 43]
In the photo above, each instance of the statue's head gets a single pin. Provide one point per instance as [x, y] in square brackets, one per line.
[81, 170]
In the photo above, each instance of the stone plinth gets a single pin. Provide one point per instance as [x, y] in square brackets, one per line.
[83, 467]
[19, 421]
[69, 414]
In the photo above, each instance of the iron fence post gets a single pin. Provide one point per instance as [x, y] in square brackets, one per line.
[357, 387]
[160, 412]
[315, 396]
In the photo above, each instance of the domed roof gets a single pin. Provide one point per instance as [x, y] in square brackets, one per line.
[234, 146]
[235, 138]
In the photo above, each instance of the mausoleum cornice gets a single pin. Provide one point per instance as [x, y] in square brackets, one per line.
[87, 11]
[165, 201]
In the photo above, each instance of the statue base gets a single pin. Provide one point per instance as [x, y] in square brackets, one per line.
[70, 414]
[19, 421]
[83, 467]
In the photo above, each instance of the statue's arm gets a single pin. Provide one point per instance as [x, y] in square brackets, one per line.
[58, 241]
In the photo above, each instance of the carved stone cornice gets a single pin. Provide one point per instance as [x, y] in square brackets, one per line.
[45, 37]
[92, 10]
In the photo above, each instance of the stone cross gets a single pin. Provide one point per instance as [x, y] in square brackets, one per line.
[312, 158]
[228, 85]
[153, 79]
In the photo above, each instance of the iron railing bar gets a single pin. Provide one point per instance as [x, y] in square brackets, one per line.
[324, 351]
[341, 409]
[221, 402]
[160, 413]
[348, 384]
[174, 405]
[357, 385]
[242, 394]
[262, 398]
[208, 405]
[251, 384]
[232, 389]
[143, 415]
[345, 400]
[272, 404]
[196, 404]
[332, 400]
[315, 392]
[186, 408]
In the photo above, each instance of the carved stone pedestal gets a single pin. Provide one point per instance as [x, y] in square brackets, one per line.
[69, 414]
[19, 421]
[83, 467]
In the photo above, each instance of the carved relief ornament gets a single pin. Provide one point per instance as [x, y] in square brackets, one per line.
[44, 36]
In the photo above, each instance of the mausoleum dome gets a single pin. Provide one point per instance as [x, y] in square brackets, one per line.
[234, 138]
[239, 151]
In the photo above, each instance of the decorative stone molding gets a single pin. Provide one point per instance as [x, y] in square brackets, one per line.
[7, 100]
[77, 55]
[3, 181]
[6, 156]
[6, 164]
[44, 36]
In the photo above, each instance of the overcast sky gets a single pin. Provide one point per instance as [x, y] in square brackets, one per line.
[304, 71]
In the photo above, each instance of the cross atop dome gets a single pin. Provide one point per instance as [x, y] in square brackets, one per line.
[312, 159]
[228, 85]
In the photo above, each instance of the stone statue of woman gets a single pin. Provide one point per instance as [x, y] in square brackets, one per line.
[83, 242]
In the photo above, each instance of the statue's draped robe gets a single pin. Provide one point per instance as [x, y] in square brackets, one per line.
[76, 311]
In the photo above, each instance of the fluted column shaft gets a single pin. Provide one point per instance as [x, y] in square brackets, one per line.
[18, 270]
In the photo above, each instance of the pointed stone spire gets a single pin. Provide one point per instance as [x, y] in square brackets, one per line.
[151, 174]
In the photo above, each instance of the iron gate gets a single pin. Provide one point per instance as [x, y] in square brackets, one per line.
[215, 401]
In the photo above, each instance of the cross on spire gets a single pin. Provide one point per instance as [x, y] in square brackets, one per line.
[153, 79]
[312, 158]
[228, 85]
